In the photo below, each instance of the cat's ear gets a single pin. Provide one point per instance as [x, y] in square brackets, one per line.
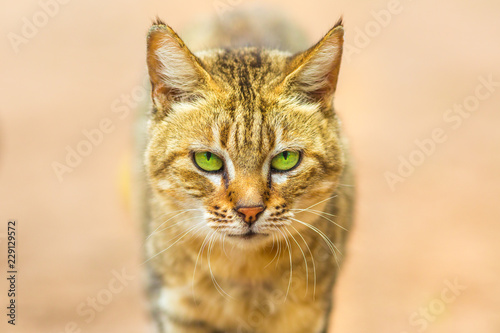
[314, 72]
[176, 74]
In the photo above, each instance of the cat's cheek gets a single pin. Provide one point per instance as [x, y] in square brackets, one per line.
[325, 186]
[215, 179]
[166, 189]
[164, 185]
[168, 192]
[279, 178]
[316, 194]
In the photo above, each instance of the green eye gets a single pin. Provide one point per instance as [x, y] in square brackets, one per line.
[285, 161]
[208, 161]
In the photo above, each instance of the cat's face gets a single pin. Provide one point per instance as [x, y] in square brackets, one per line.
[246, 137]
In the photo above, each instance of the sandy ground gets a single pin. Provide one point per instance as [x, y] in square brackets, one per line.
[424, 255]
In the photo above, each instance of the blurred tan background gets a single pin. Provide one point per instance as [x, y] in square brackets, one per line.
[425, 253]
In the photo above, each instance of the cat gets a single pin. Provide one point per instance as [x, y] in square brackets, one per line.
[250, 186]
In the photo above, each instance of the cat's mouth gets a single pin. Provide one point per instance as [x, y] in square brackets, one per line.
[248, 235]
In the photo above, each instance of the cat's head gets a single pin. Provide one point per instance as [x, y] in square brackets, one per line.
[243, 137]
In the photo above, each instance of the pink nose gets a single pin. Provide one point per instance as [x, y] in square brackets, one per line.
[250, 214]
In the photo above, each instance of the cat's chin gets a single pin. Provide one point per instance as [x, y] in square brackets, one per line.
[249, 239]
[248, 235]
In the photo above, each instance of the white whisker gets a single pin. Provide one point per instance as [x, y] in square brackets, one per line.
[312, 258]
[182, 221]
[291, 264]
[223, 246]
[276, 254]
[182, 212]
[327, 240]
[304, 256]
[333, 196]
[202, 248]
[320, 213]
[181, 237]
[214, 281]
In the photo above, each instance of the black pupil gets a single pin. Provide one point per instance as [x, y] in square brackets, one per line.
[285, 155]
[209, 156]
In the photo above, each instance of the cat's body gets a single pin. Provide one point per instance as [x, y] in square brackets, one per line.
[244, 248]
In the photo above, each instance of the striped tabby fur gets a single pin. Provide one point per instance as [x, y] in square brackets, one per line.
[210, 270]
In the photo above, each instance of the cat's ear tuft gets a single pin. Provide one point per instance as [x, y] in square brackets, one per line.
[158, 21]
[176, 74]
[314, 72]
[339, 23]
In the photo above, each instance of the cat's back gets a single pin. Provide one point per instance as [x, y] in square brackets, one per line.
[259, 27]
